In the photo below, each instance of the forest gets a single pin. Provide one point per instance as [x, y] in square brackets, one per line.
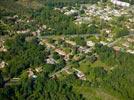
[119, 79]
[62, 24]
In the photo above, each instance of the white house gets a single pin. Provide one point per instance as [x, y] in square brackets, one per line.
[104, 43]
[130, 51]
[2, 64]
[71, 12]
[90, 43]
[50, 61]
[70, 42]
[120, 3]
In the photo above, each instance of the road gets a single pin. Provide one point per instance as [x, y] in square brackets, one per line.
[73, 35]
[112, 43]
[63, 69]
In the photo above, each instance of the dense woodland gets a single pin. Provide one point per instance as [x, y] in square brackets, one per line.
[61, 3]
[119, 80]
[62, 24]
[26, 54]
[42, 88]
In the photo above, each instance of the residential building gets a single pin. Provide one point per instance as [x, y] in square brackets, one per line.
[90, 43]
[120, 3]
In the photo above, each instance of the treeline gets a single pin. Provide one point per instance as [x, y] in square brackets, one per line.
[41, 88]
[120, 80]
[62, 24]
[13, 6]
[3, 29]
[62, 3]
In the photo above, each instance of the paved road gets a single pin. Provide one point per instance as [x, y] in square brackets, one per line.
[73, 35]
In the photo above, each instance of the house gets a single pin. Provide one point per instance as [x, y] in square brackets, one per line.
[2, 48]
[50, 61]
[120, 3]
[34, 34]
[31, 74]
[88, 50]
[71, 12]
[76, 58]
[90, 43]
[38, 69]
[2, 64]
[126, 44]
[44, 26]
[116, 48]
[60, 52]
[130, 51]
[104, 43]
[70, 42]
[66, 58]
[108, 31]
[38, 31]
[28, 21]
[23, 31]
[80, 20]
[109, 39]
[130, 40]
[41, 43]
[131, 20]
[80, 75]
[58, 9]
[82, 49]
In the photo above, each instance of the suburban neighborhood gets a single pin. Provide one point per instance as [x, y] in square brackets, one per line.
[66, 49]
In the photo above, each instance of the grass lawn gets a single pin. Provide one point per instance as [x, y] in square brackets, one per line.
[62, 75]
[84, 66]
[94, 93]
[98, 63]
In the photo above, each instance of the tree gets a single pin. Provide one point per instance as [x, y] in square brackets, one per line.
[62, 62]
[49, 68]
[56, 55]
[23, 54]
[121, 32]
[93, 29]
[80, 41]
[1, 79]
[3, 29]
[82, 11]
[93, 58]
